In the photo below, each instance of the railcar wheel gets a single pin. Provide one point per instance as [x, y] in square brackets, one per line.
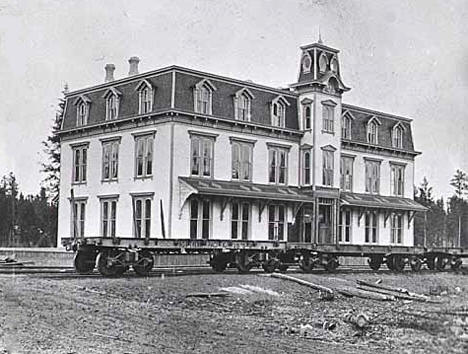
[243, 263]
[430, 262]
[104, 266]
[399, 263]
[307, 264]
[84, 262]
[331, 264]
[415, 263]
[390, 262]
[270, 265]
[375, 262]
[283, 268]
[145, 263]
[219, 263]
[456, 263]
[440, 263]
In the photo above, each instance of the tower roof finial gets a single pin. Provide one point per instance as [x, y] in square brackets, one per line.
[320, 36]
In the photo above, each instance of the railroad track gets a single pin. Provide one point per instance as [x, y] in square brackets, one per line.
[173, 271]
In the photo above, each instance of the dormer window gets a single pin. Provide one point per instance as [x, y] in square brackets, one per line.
[203, 97]
[278, 111]
[346, 125]
[82, 114]
[243, 105]
[397, 136]
[306, 63]
[82, 110]
[145, 97]
[112, 103]
[373, 131]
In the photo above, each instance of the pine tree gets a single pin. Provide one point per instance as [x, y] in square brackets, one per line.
[52, 148]
[459, 181]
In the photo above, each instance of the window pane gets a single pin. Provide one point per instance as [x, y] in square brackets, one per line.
[245, 212]
[245, 230]
[193, 228]
[149, 156]
[206, 210]
[147, 208]
[138, 209]
[235, 161]
[234, 229]
[272, 166]
[195, 156]
[194, 209]
[235, 211]
[206, 229]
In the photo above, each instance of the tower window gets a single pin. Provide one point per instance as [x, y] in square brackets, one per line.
[323, 63]
[306, 63]
[334, 65]
[307, 117]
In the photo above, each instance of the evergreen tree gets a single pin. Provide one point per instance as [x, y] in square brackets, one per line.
[52, 148]
[459, 181]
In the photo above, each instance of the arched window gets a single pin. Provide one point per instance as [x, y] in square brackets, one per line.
[203, 94]
[243, 104]
[346, 124]
[307, 117]
[306, 168]
[112, 103]
[82, 114]
[397, 136]
[323, 63]
[278, 111]
[334, 65]
[306, 63]
[373, 132]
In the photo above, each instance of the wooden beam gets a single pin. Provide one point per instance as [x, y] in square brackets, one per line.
[225, 202]
[386, 216]
[411, 215]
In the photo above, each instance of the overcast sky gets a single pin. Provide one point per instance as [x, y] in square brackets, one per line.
[404, 57]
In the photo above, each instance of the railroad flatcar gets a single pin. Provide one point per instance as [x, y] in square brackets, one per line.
[181, 161]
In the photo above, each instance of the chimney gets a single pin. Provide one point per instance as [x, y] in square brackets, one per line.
[109, 72]
[133, 70]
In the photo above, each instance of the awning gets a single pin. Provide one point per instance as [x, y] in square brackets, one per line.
[243, 190]
[380, 202]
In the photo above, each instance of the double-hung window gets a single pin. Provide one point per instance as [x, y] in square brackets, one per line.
[203, 97]
[373, 131]
[80, 158]
[327, 167]
[108, 216]
[142, 206]
[243, 104]
[372, 227]
[78, 216]
[241, 160]
[276, 222]
[200, 219]
[397, 136]
[372, 176]
[307, 117]
[112, 109]
[344, 226]
[397, 179]
[306, 167]
[397, 228]
[278, 112]
[278, 165]
[110, 159]
[82, 114]
[201, 155]
[240, 220]
[144, 155]
[346, 173]
[328, 116]
[346, 124]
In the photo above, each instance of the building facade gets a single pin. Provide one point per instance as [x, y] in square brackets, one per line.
[177, 153]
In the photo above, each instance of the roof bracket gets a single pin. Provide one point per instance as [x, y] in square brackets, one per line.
[223, 206]
[386, 216]
[361, 213]
[411, 215]
[261, 207]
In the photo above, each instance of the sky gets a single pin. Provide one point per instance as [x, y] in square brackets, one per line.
[408, 58]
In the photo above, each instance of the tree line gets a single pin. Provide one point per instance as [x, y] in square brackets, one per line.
[444, 224]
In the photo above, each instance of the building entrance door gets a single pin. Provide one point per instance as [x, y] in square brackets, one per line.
[307, 222]
[325, 224]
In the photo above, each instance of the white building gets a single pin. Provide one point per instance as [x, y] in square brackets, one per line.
[177, 153]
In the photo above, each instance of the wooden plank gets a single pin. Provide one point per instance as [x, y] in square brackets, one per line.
[299, 281]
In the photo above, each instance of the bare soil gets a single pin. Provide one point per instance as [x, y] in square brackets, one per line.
[260, 315]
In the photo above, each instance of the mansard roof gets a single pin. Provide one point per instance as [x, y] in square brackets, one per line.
[362, 116]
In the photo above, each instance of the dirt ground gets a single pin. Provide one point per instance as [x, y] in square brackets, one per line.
[261, 315]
